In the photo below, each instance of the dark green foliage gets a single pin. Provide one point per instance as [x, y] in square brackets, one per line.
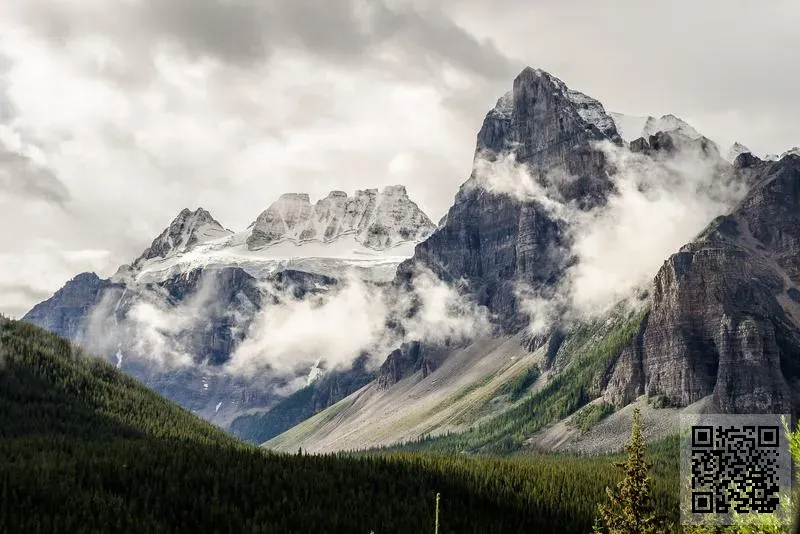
[518, 387]
[660, 401]
[567, 392]
[630, 510]
[588, 416]
[300, 405]
[84, 448]
[261, 427]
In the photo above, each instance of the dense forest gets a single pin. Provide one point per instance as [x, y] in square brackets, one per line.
[85, 448]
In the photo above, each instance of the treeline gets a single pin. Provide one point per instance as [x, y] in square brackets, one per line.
[84, 448]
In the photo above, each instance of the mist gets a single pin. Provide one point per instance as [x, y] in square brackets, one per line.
[660, 204]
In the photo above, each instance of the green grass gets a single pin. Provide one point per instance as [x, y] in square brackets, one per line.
[591, 349]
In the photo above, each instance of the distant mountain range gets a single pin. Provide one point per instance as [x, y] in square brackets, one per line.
[534, 238]
[195, 292]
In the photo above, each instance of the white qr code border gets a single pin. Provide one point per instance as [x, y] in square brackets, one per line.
[711, 444]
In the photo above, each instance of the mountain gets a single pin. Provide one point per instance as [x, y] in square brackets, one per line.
[189, 229]
[714, 328]
[496, 241]
[736, 149]
[725, 313]
[631, 127]
[792, 151]
[377, 220]
[370, 232]
[175, 316]
[111, 456]
[498, 330]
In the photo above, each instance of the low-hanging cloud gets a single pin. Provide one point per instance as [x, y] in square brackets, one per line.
[291, 336]
[441, 315]
[336, 329]
[660, 204]
[504, 175]
[292, 333]
[142, 325]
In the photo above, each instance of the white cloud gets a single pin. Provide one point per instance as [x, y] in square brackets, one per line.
[291, 336]
[337, 328]
[441, 315]
[661, 204]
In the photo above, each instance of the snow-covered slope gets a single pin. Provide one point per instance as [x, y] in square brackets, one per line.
[735, 150]
[631, 127]
[188, 230]
[371, 233]
[791, 152]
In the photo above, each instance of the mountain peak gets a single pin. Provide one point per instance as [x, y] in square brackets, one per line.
[736, 150]
[669, 123]
[188, 229]
[377, 219]
[541, 112]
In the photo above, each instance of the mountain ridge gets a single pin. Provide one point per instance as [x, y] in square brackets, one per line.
[547, 158]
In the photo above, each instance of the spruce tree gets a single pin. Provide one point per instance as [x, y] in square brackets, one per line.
[629, 510]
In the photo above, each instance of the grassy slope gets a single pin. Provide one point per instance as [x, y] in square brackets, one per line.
[86, 449]
[499, 412]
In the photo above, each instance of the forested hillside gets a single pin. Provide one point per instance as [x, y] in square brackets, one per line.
[84, 448]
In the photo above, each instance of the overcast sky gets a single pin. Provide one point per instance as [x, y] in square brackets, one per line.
[116, 114]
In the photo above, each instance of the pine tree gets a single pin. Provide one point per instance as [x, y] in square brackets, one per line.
[629, 510]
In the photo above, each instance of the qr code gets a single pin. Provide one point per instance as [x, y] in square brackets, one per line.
[732, 464]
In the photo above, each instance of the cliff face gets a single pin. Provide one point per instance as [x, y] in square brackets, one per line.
[65, 312]
[378, 219]
[497, 241]
[726, 308]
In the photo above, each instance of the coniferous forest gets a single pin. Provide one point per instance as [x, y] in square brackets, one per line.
[85, 448]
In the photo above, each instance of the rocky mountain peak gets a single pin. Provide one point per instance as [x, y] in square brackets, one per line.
[669, 123]
[187, 230]
[735, 150]
[541, 111]
[377, 219]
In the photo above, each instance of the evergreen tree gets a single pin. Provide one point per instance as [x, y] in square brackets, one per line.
[629, 510]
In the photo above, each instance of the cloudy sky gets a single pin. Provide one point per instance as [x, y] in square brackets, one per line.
[116, 114]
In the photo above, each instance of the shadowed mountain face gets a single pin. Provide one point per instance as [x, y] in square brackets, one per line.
[496, 241]
[726, 308]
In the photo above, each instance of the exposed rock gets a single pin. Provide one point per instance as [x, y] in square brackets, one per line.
[745, 160]
[720, 323]
[494, 241]
[64, 313]
[639, 145]
[406, 360]
[189, 229]
[379, 220]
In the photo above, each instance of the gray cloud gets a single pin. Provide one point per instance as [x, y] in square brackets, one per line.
[143, 107]
[23, 177]
[248, 32]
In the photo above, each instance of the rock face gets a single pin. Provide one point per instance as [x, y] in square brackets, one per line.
[378, 220]
[190, 228]
[65, 312]
[202, 305]
[407, 359]
[495, 241]
[723, 320]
